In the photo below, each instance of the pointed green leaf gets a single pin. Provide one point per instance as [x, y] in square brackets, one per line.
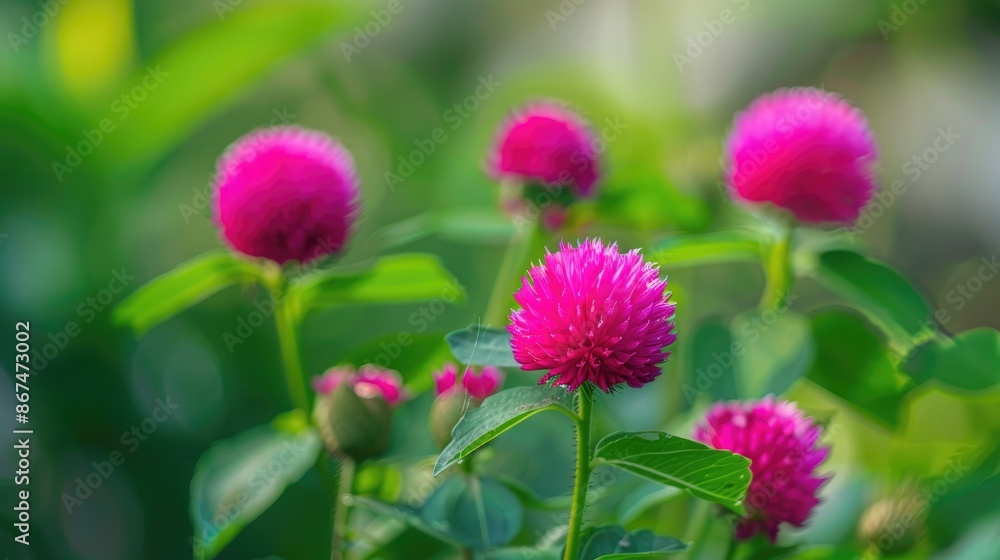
[710, 474]
[877, 290]
[478, 345]
[173, 292]
[393, 279]
[234, 480]
[498, 414]
[970, 361]
[864, 376]
[709, 248]
[772, 350]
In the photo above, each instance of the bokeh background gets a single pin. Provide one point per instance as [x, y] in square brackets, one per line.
[113, 112]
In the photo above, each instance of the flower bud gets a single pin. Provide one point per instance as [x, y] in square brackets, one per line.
[446, 411]
[893, 525]
[456, 396]
[354, 410]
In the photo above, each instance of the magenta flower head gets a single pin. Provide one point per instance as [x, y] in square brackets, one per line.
[804, 150]
[590, 314]
[782, 447]
[286, 194]
[546, 144]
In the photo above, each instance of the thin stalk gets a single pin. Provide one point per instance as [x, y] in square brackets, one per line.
[698, 529]
[514, 261]
[583, 469]
[731, 548]
[342, 510]
[288, 341]
[779, 270]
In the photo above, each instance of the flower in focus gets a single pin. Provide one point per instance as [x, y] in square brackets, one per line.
[286, 194]
[549, 145]
[590, 314]
[456, 397]
[353, 410]
[805, 150]
[782, 447]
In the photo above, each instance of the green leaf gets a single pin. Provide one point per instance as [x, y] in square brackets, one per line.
[710, 474]
[393, 279]
[970, 361]
[709, 248]
[498, 414]
[772, 350]
[525, 553]
[852, 364]
[711, 368]
[477, 512]
[478, 345]
[613, 543]
[187, 284]
[880, 292]
[228, 483]
[200, 73]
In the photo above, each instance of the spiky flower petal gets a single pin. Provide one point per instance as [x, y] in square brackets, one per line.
[782, 445]
[590, 314]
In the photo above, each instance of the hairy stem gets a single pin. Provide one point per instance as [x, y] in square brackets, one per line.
[583, 469]
[342, 510]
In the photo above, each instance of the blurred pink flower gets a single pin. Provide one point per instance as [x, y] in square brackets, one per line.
[782, 446]
[371, 381]
[546, 143]
[286, 194]
[478, 385]
[805, 150]
[593, 315]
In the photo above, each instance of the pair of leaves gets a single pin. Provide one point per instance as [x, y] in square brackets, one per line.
[392, 279]
[237, 479]
[715, 475]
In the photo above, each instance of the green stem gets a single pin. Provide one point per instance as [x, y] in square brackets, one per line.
[583, 469]
[731, 548]
[698, 529]
[779, 270]
[514, 261]
[342, 510]
[286, 323]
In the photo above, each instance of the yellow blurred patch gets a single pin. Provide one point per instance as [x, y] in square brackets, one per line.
[94, 43]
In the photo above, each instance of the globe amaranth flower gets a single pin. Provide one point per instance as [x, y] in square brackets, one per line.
[369, 382]
[286, 194]
[547, 144]
[782, 447]
[590, 314]
[478, 385]
[804, 150]
[457, 396]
